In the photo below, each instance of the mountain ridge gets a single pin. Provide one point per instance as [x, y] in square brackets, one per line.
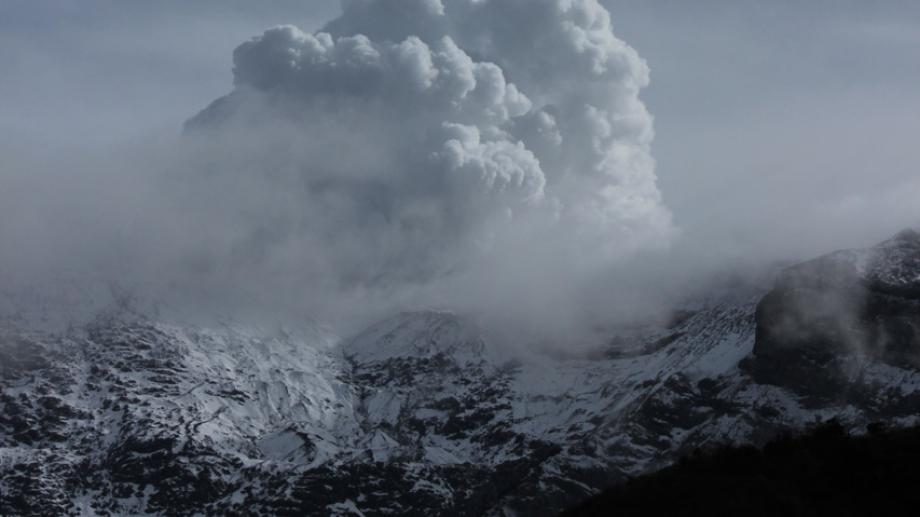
[415, 415]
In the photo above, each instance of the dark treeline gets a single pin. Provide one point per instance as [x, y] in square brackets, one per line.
[823, 472]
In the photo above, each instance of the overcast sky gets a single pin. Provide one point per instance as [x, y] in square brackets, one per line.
[788, 126]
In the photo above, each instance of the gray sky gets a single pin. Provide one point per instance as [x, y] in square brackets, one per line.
[781, 126]
[790, 123]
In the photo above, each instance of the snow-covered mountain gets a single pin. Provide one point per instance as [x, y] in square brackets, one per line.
[422, 415]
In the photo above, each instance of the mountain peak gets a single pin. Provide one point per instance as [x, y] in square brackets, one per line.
[907, 237]
[908, 234]
[895, 263]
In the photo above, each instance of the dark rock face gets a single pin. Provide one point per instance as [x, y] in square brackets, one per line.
[823, 473]
[826, 317]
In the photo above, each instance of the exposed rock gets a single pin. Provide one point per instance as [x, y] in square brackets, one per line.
[826, 318]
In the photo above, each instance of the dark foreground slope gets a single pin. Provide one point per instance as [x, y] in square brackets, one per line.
[825, 472]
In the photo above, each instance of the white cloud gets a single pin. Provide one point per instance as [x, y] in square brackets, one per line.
[477, 114]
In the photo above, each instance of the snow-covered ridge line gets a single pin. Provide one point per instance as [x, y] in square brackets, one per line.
[415, 415]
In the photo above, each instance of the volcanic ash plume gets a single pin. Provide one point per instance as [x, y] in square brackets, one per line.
[409, 141]
[475, 154]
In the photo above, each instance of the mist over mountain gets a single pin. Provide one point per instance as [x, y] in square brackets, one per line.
[424, 413]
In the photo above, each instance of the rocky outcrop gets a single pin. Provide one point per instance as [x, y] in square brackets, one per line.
[825, 319]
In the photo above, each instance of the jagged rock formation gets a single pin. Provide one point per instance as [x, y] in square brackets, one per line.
[421, 414]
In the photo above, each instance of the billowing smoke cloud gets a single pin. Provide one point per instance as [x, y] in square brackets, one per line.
[419, 140]
[487, 155]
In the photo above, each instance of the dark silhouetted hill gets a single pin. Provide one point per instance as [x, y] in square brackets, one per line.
[824, 472]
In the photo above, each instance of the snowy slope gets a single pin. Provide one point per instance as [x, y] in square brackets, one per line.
[417, 415]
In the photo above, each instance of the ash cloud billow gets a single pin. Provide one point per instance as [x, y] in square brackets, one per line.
[476, 155]
[418, 143]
